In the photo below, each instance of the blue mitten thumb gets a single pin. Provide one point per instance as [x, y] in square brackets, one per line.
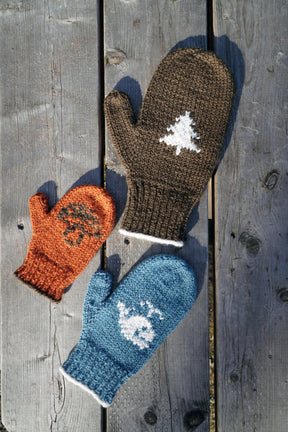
[98, 290]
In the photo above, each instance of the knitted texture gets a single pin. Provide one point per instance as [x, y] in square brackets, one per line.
[122, 330]
[65, 239]
[171, 151]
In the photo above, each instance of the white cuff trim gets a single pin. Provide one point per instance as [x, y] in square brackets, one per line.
[140, 236]
[83, 387]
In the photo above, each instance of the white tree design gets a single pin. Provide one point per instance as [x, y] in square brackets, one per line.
[183, 134]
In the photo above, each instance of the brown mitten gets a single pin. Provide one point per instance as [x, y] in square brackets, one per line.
[66, 238]
[171, 151]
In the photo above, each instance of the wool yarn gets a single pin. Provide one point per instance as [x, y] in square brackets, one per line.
[122, 330]
[171, 151]
[66, 238]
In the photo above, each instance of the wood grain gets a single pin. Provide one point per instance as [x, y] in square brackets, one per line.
[251, 222]
[173, 387]
[50, 142]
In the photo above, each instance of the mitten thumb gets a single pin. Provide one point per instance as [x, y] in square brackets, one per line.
[121, 124]
[99, 288]
[39, 208]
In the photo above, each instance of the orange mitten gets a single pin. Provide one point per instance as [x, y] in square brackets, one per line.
[66, 238]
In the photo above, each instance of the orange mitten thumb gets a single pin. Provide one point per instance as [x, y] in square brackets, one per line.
[39, 208]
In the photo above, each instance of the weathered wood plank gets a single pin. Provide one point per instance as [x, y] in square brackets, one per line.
[50, 142]
[251, 223]
[176, 380]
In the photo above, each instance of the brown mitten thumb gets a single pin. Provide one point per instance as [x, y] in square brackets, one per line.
[120, 122]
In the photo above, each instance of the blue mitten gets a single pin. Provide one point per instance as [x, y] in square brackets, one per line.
[121, 331]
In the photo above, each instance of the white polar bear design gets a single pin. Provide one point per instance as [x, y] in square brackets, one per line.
[137, 328]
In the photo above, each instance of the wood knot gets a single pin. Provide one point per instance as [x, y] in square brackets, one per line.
[150, 417]
[251, 243]
[192, 419]
[43, 357]
[234, 377]
[283, 294]
[271, 179]
[114, 57]
[270, 68]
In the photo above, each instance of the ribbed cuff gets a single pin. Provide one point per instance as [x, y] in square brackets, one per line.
[157, 212]
[45, 276]
[95, 372]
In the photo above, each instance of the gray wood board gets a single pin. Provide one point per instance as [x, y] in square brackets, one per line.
[176, 379]
[50, 142]
[251, 222]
